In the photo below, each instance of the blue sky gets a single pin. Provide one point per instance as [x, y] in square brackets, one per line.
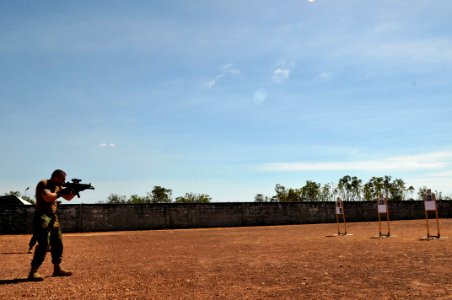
[226, 98]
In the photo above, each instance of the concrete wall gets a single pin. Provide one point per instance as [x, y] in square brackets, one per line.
[111, 217]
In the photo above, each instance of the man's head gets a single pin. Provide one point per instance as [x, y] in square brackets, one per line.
[58, 177]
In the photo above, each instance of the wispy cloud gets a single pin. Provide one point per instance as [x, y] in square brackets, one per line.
[260, 96]
[226, 70]
[447, 173]
[107, 145]
[280, 74]
[325, 76]
[417, 50]
[428, 161]
[282, 71]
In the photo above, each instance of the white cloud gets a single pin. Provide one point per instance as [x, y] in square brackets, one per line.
[443, 174]
[428, 161]
[226, 70]
[280, 74]
[212, 82]
[325, 76]
[107, 145]
[387, 27]
[414, 51]
[260, 96]
[230, 69]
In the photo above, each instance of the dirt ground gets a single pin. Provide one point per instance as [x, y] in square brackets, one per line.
[276, 262]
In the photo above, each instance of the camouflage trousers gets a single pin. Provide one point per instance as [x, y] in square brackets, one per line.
[47, 232]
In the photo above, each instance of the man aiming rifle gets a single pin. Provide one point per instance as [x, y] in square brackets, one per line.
[46, 226]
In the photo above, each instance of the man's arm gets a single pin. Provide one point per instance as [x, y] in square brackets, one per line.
[44, 193]
[50, 196]
[68, 197]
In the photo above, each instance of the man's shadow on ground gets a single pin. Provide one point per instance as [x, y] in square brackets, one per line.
[13, 281]
[17, 280]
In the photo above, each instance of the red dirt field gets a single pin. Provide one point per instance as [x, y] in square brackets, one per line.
[274, 262]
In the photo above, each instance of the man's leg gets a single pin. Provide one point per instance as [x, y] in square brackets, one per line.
[42, 236]
[32, 242]
[56, 242]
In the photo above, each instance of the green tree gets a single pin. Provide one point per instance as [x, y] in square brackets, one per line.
[384, 186]
[422, 192]
[387, 185]
[281, 194]
[261, 198]
[160, 195]
[311, 190]
[349, 188]
[116, 199]
[398, 189]
[377, 187]
[344, 186]
[326, 192]
[13, 193]
[368, 191]
[136, 199]
[194, 198]
[355, 188]
[294, 195]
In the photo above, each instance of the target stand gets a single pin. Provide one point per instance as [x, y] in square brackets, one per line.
[383, 209]
[430, 205]
[340, 213]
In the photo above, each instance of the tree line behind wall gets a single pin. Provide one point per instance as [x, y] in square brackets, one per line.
[157, 195]
[349, 188]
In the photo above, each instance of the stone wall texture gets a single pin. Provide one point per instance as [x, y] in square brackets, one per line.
[115, 217]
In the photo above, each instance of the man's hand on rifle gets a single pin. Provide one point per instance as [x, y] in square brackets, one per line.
[64, 192]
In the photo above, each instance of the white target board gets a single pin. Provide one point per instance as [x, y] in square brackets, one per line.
[382, 206]
[339, 206]
[430, 202]
[430, 205]
[382, 209]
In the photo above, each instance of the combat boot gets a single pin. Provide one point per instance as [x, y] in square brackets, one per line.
[58, 271]
[34, 275]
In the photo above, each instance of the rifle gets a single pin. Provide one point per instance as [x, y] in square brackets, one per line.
[75, 186]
